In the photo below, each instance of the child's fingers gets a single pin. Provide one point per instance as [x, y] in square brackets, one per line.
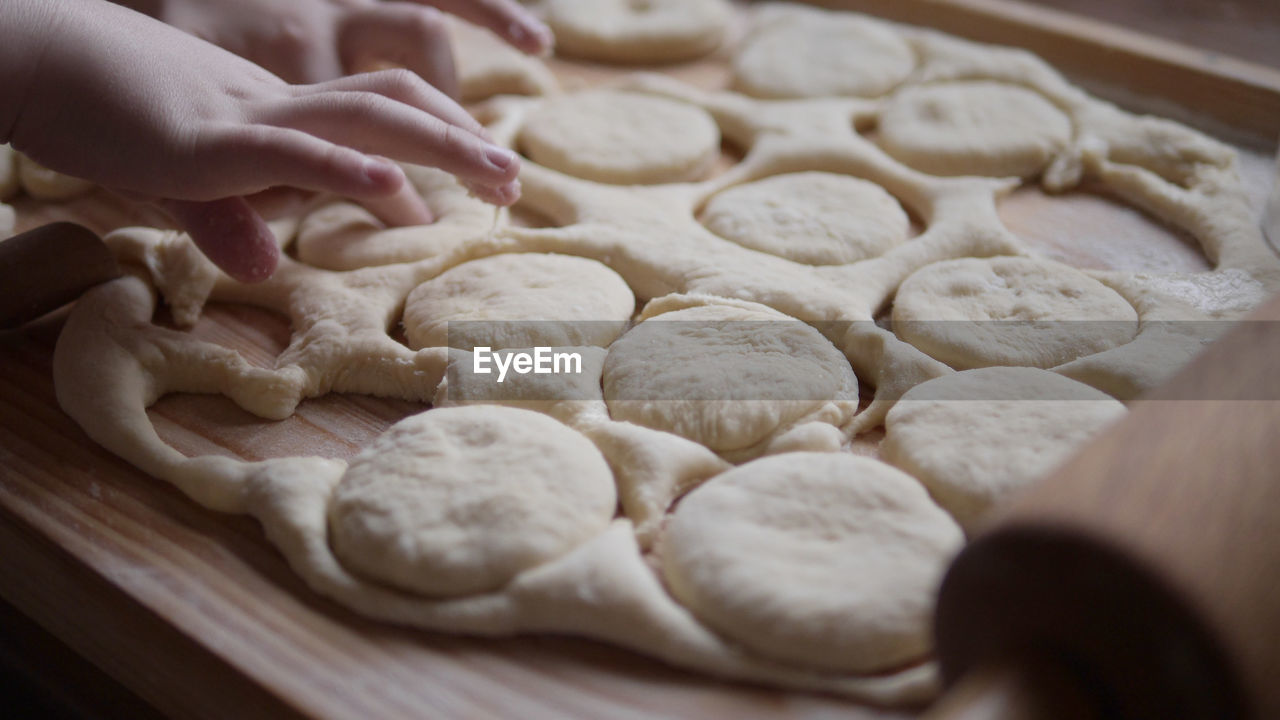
[376, 124]
[262, 156]
[505, 18]
[406, 207]
[407, 87]
[408, 35]
[231, 234]
[500, 195]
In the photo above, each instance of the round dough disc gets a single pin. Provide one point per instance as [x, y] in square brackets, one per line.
[811, 217]
[975, 437]
[623, 138]
[826, 560]
[519, 300]
[722, 376]
[458, 501]
[815, 55]
[637, 31]
[974, 312]
[973, 128]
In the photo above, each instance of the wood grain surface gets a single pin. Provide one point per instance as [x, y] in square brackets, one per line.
[1222, 94]
[199, 615]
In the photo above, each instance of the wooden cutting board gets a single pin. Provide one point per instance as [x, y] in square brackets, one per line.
[198, 614]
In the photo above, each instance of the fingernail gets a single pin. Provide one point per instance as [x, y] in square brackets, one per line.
[380, 173]
[546, 39]
[500, 157]
[533, 37]
[509, 193]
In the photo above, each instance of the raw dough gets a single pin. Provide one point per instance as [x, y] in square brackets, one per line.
[829, 561]
[519, 301]
[974, 312]
[976, 437]
[111, 361]
[623, 138]
[973, 128]
[457, 501]
[9, 184]
[42, 183]
[638, 31]
[725, 377]
[488, 66]
[813, 218]
[346, 236]
[821, 54]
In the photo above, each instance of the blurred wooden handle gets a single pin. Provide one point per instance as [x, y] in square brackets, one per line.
[43, 269]
[1149, 565]
[1035, 688]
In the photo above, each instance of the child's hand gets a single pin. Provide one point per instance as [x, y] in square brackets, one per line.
[104, 93]
[310, 41]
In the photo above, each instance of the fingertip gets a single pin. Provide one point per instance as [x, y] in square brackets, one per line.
[231, 234]
[405, 208]
[546, 41]
[509, 193]
[260, 272]
[531, 36]
[248, 253]
[381, 176]
[502, 160]
[259, 259]
[501, 195]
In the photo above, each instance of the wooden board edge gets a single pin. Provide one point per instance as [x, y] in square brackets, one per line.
[41, 579]
[1228, 97]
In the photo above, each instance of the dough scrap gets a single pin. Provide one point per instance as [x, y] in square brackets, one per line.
[346, 236]
[638, 31]
[815, 55]
[42, 183]
[976, 437]
[622, 138]
[825, 560]
[812, 218]
[520, 300]
[723, 376]
[976, 127]
[974, 312]
[9, 183]
[458, 501]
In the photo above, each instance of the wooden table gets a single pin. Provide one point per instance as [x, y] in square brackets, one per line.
[159, 605]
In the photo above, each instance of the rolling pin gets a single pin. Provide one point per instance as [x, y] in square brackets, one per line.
[43, 269]
[1142, 579]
